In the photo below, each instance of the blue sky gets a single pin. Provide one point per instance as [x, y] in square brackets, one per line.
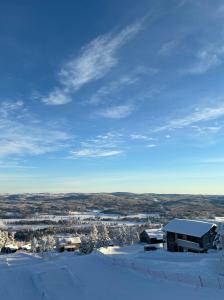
[101, 96]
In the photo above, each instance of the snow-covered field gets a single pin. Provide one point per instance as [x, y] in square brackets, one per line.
[101, 276]
[83, 218]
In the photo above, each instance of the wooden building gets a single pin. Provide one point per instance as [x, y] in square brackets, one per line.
[151, 236]
[189, 235]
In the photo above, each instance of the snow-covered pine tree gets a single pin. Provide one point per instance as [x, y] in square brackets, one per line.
[50, 243]
[3, 238]
[34, 244]
[133, 235]
[103, 236]
[86, 246]
[94, 236]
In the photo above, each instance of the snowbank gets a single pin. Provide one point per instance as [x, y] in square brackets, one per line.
[95, 277]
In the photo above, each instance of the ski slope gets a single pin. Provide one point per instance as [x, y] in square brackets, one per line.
[95, 276]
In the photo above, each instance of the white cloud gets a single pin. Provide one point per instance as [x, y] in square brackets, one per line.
[151, 146]
[206, 59]
[206, 114]
[94, 62]
[22, 134]
[95, 153]
[106, 141]
[99, 146]
[117, 112]
[9, 107]
[201, 115]
[57, 97]
[112, 87]
[127, 80]
[207, 129]
[140, 137]
[168, 47]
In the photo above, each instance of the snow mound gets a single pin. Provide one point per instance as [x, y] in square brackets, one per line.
[92, 277]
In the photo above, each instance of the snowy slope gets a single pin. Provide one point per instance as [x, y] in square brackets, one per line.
[67, 276]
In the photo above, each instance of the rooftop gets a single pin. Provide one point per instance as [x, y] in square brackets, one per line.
[189, 227]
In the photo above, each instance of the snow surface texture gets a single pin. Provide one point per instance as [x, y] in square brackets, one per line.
[189, 227]
[100, 276]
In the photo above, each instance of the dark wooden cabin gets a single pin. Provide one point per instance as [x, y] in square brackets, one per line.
[151, 236]
[189, 235]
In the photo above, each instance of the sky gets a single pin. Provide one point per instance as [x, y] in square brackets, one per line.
[105, 96]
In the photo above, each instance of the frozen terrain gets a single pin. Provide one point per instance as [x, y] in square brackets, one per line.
[101, 276]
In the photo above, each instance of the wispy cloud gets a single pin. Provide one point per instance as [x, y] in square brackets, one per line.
[140, 137]
[207, 129]
[168, 47]
[117, 112]
[57, 97]
[115, 86]
[94, 153]
[206, 59]
[94, 62]
[99, 146]
[201, 115]
[22, 134]
[111, 88]
[151, 146]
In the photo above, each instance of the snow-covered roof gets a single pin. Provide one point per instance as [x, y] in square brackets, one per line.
[189, 227]
[11, 246]
[152, 233]
[69, 240]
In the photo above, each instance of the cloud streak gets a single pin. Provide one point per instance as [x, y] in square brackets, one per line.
[22, 134]
[99, 146]
[206, 59]
[202, 115]
[95, 60]
[117, 112]
[94, 153]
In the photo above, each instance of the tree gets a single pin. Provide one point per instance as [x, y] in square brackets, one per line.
[94, 236]
[132, 235]
[50, 243]
[3, 238]
[46, 243]
[86, 246]
[34, 245]
[103, 236]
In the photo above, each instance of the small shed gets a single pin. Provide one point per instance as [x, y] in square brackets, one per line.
[68, 243]
[189, 235]
[152, 236]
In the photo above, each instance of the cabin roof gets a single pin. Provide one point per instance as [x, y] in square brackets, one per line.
[154, 233]
[69, 240]
[189, 227]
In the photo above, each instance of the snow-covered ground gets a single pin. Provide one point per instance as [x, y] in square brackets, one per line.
[99, 276]
[83, 218]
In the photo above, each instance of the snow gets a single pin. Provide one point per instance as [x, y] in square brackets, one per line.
[69, 240]
[189, 227]
[101, 277]
[155, 233]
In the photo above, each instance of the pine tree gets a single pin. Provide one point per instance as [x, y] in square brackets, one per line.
[4, 238]
[34, 245]
[50, 243]
[103, 236]
[86, 246]
[94, 237]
